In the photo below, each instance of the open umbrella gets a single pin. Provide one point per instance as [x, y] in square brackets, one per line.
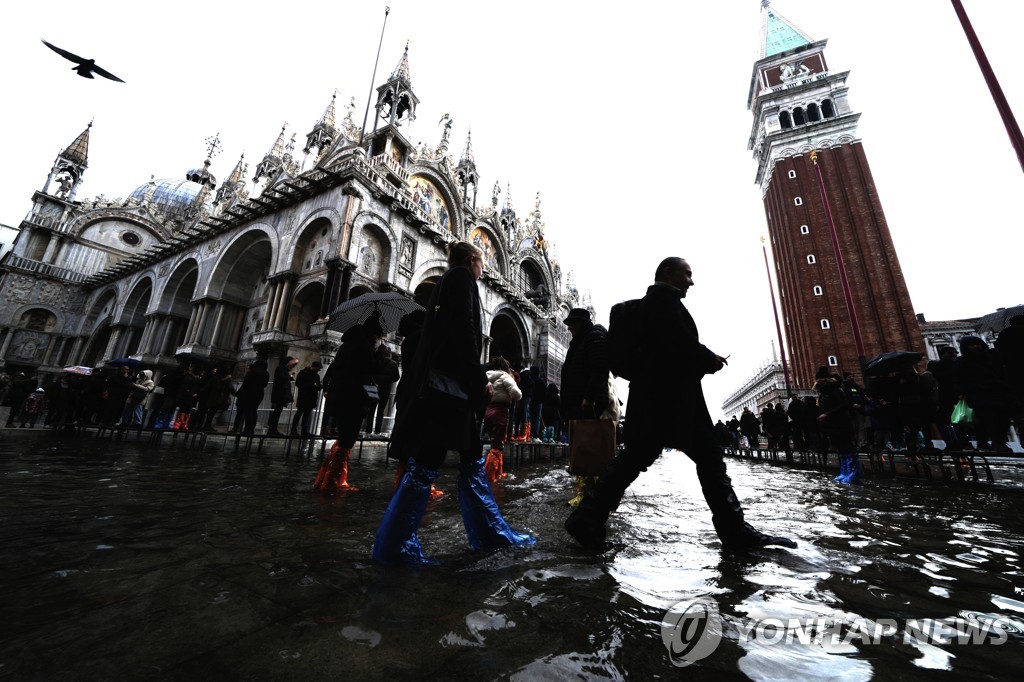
[391, 306]
[78, 369]
[892, 361]
[131, 363]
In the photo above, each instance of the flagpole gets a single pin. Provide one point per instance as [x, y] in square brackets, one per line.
[1009, 121]
[373, 79]
[778, 327]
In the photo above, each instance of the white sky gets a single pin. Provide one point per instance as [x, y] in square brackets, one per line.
[629, 119]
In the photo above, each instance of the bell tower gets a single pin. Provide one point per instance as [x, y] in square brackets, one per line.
[842, 291]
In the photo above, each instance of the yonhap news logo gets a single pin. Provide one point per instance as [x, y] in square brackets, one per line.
[692, 630]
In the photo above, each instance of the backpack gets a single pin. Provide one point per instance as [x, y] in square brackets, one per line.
[624, 356]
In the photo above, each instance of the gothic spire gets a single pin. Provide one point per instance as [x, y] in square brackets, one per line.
[401, 71]
[324, 131]
[233, 189]
[273, 160]
[467, 153]
[69, 166]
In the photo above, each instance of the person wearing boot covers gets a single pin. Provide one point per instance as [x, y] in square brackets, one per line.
[505, 392]
[837, 422]
[666, 409]
[445, 390]
[347, 379]
[410, 327]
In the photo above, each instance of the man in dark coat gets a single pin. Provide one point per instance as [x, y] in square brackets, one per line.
[585, 370]
[750, 427]
[281, 393]
[250, 395]
[1010, 356]
[385, 375]
[307, 384]
[666, 408]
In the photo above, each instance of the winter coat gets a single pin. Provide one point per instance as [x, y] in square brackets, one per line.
[281, 391]
[585, 372]
[835, 405]
[749, 425]
[254, 384]
[307, 384]
[142, 387]
[981, 381]
[666, 406]
[351, 370]
[505, 390]
[451, 343]
[219, 392]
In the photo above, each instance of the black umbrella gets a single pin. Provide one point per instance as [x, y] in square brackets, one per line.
[893, 361]
[391, 306]
[131, 363]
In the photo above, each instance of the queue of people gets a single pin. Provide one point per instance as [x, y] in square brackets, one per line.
[904, 409]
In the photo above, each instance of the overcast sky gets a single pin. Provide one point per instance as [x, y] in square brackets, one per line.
[630, 122]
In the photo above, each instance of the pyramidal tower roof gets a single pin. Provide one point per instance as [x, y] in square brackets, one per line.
[79, 149]
[778, 33]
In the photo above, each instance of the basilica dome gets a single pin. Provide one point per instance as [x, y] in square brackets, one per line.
[169, 196]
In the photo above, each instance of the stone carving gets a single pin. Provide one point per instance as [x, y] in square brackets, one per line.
[407, 255]
[28, 346]
[18, 289]
[49, 293]
[213, 248]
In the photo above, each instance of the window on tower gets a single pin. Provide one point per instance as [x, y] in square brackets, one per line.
[818, 291]
[833, 361]
[825, 324]
[784, 120]
[792, 174]
[804, 229]
[827, 110]
[812, 113]
[798, 116]
[798, 201]
[811, 260]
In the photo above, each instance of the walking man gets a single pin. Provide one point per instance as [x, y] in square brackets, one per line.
[666, 408]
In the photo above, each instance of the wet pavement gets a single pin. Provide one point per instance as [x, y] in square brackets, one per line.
[121, 561]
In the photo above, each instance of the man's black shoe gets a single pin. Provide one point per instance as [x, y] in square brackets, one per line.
[757, 541]
[585, 531]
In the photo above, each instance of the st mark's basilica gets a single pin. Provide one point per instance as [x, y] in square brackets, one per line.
[189, 267]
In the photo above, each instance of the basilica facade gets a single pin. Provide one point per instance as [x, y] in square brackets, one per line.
[196, 268]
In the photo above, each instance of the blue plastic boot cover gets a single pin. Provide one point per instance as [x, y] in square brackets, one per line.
[850, 469]
[485, 526]
[396, 540]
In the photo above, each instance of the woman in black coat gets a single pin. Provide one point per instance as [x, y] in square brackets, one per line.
[447, 385]
[348, 385]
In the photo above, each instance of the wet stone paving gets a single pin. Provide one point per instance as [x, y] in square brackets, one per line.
[125, 560]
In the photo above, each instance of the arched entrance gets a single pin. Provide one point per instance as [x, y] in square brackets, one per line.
[423, 291]
[507, 341]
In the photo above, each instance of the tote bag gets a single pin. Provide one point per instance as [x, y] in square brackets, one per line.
[591, 446]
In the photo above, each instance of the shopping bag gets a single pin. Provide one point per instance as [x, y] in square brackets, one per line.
[962, 413]
[591, 446]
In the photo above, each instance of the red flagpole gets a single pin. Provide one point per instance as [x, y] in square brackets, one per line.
[778, 327]
[1009, 121]
[847, 294]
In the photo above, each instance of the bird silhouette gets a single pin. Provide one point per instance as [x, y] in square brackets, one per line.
[86, 67]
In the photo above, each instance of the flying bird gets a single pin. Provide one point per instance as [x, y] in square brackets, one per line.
[86, 67]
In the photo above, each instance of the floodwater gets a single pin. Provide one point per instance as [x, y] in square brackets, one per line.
[118, 561]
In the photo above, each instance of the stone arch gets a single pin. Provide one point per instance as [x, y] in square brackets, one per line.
[531, 274]
[179, 289]
[305, 308]
[38, 317]
[240, 282]
[97, 326]
[426, 277]
[373, 248]
[509, 337]
[358, 290]
[133, 315]
[315, 241]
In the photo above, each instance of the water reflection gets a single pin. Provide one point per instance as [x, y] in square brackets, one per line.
[119, 559]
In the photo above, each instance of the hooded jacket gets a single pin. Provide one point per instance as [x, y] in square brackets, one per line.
[505, 389]
[143, 386]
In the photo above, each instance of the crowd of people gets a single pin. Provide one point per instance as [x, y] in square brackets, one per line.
[902, 409]
[447, 400]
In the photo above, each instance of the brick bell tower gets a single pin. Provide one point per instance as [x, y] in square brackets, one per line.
[842, 290]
